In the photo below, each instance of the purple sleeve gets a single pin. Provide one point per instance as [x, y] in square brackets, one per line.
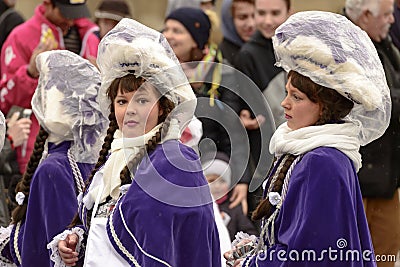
[52, 205]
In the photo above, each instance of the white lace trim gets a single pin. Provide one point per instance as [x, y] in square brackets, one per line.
[53, 245]
[5, 233]
[7, 264]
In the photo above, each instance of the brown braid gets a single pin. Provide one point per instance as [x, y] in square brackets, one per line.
[112, 127]
[265, 207]
[18, 214]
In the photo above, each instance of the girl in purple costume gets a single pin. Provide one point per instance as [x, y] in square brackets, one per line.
[147, 202]
[337, 99]
[71, 123]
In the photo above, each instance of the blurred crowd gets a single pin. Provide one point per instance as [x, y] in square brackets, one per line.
[238, 86]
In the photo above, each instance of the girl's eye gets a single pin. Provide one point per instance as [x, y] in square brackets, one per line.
[296, 97]
[121, 102]
[142, 101]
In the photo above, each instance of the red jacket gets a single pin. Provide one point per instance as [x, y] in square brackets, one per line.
[16, 86]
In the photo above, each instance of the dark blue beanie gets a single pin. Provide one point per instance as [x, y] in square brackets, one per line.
[195, 21]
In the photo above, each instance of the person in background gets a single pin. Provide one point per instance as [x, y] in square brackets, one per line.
[16, 134]
[9, 19]
[395, 28]
[66, 148]
[109, 13]
[219, 176]
[337, 100]
[175, 4]
[56, 24]
[187, 31]
[380, 176]
[256, 59]
[208, 6]
[17, 130]
[238, 25]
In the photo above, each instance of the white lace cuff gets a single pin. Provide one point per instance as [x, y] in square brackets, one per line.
[5, 233]
[53, 245]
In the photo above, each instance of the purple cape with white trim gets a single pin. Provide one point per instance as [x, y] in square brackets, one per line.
[166, 217]
[322, 220]
[51, 206]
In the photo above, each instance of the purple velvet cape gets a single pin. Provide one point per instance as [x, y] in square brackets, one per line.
[169, 212]
[323, 210]
[51, 206]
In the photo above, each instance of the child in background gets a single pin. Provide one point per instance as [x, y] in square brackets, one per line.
[218, 174]
[109, 13]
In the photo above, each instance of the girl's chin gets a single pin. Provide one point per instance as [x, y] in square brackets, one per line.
[130, 133]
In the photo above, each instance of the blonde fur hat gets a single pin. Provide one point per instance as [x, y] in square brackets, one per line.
[131, 47]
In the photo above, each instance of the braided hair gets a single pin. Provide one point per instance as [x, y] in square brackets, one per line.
[128, 83]
[19, 213]
[264, 209]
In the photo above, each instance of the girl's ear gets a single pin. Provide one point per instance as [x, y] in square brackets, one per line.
[321, 110]
[160, 110]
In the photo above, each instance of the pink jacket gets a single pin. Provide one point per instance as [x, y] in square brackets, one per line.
[16, 86]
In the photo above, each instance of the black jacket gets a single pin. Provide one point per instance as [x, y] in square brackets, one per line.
[256, 59]
[8, 22]
[229, 50]
[221, 122]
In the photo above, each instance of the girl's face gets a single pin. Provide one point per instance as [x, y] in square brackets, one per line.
[53, 14]
[137, 112]
[179, 39]
[218, 186]
[270, 14]
[243, 19]
[300, 111]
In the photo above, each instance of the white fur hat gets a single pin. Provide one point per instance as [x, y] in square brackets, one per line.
[65, 102]
[131, 47]
[335, 53]
[218, 165]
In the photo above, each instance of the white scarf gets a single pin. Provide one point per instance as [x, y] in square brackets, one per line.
[122, 151]
[342, 136]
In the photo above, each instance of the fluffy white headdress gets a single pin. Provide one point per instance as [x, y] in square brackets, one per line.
[333, 52]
